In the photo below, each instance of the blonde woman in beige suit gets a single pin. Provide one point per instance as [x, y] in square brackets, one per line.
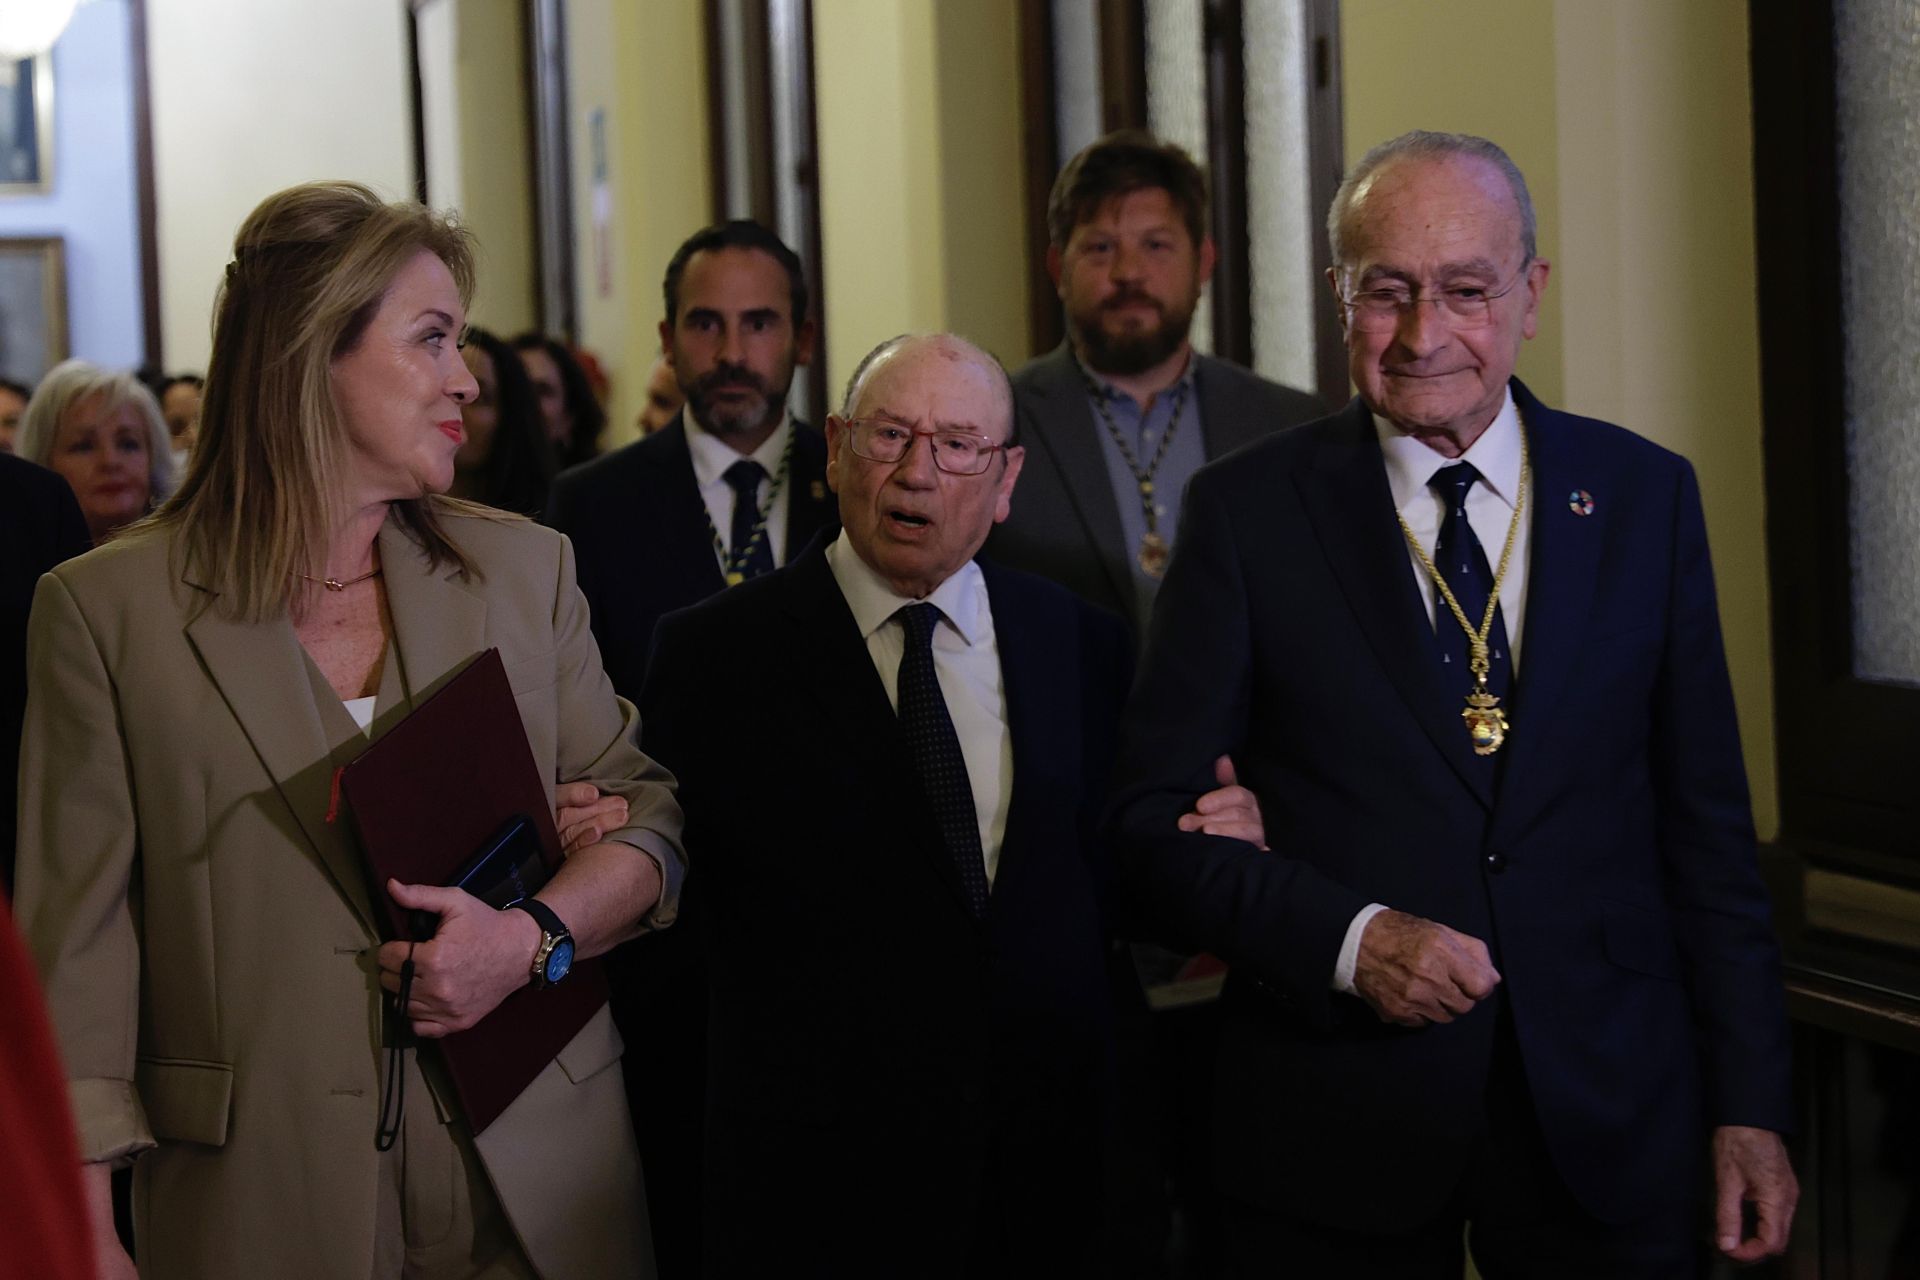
[206, 934]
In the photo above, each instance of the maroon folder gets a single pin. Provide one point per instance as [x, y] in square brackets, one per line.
[424, 798]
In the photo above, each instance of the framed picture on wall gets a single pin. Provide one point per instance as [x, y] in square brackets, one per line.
[26, 125]
[33, 306]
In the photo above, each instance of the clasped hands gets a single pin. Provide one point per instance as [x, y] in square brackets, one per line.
[478, 956]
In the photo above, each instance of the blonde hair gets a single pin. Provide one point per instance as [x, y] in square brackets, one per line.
[72, 381]
[264, 488]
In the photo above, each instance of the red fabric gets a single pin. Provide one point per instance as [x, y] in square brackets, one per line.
[43, 1218]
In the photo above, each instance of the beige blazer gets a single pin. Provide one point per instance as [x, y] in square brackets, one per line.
[206, 935]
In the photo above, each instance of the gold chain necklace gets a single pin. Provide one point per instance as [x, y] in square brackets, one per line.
[334, 584]
[1486, 723]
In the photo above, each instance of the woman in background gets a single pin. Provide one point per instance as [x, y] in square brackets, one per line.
[573, 414]
[505, 461]
[103, 432]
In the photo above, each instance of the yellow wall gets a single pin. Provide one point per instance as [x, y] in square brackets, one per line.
[918, 109]
[1632, 121]
[1467, 66]
[496, 160]
[644, 66]
[249, 97]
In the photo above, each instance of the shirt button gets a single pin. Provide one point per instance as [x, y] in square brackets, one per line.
[1496, 863]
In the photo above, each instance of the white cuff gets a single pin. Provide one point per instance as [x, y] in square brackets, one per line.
[1350, 948]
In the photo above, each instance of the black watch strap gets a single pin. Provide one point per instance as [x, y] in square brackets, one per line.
[543, 916]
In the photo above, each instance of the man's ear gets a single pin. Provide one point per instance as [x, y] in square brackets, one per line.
[803, 341]
[666, 338]
[1209, 256]
[836, 442]
[1054, 265]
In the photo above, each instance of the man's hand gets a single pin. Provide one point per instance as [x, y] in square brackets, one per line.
[1751, 1165]
[583, 815]
[1413, 971]
[1231, 811]
[475, 959]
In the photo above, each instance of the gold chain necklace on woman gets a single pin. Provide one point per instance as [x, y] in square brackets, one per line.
[335, 584]
[1486, 723]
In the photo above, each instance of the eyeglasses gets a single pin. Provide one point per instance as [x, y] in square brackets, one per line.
[958, 453]
[1462, 306]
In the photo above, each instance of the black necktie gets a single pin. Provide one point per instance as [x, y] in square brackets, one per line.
[1464, 565]
[749, 554]
[935, 748]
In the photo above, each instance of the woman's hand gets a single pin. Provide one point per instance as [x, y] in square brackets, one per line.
[475, 959]
[583, 815]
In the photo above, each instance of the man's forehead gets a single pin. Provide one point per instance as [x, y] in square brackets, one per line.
[1136, 204]
[945, 384]
[1449, 210]
[734, 271]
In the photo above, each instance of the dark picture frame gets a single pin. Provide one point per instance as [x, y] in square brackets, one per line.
[33, 306]
[26, 125]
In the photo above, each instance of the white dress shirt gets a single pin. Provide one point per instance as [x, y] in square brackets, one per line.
[711, 458]
[1410, 464]
[966, 660]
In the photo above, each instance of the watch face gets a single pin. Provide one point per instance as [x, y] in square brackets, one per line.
[560, 960]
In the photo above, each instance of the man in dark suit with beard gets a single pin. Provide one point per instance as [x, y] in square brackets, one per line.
[728, 490]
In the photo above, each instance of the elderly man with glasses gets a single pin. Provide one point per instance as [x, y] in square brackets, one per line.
[892, 834]
[1507, 965]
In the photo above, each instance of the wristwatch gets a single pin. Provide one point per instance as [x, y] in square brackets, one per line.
[553, 958]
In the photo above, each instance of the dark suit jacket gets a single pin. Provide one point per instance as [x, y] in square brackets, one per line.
[1606, 855]
[893, 1084]
[645, 548]
[641, 536]
[40, 526]
[1065, 524]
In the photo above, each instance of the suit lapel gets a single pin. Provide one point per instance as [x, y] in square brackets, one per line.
[1224, 424]
[1347, 497]
[262, 673]
[840, 673]
[1064, 428]
[682, 530]
[1042, 720]
[1563, 561]
[438, 624]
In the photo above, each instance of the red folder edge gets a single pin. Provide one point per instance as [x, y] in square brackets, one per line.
[424, 797]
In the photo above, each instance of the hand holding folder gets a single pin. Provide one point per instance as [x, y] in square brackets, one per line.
[432, 801]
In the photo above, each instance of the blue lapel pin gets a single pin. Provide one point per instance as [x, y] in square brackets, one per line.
[1580, 502]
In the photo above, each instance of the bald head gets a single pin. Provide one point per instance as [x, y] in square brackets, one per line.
[946, 347]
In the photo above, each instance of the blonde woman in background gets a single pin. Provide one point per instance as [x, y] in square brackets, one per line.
[103, 431]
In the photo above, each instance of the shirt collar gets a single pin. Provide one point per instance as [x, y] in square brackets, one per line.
[1108, 391]
[1496, 455]
[961, 598]
[712, 455]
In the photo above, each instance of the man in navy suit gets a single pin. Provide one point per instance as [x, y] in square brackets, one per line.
[731, 488]
[893, 837]
[1509, 961]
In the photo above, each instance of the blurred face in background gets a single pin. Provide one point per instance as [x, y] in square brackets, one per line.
[102, 450]
[180, 406]
[1129, 279]
[735, 344]
[663, 398]
[12, 406]
[481, 414]
[548, 388]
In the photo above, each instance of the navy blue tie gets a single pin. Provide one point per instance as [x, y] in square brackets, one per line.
[1463, 564]
[935, 749]
[749, 554]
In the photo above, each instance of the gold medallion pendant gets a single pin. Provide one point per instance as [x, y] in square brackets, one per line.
[1486, 722]
[1154, 554]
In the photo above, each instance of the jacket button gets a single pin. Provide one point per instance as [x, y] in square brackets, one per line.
[1496, 863]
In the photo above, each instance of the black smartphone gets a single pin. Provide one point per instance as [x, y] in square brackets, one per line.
[506, 868]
